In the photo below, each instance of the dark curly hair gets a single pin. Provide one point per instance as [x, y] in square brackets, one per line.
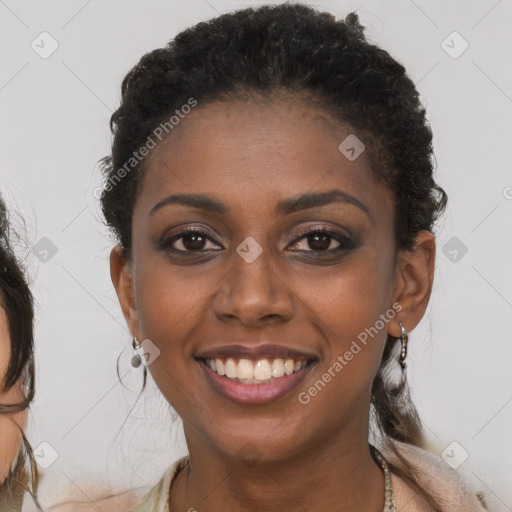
[327, 63]
[17, 301]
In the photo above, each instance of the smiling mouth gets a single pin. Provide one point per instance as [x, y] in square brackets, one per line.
[259, 371]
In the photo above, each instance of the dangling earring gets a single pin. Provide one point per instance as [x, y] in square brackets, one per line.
[403, 338]
[136, 358]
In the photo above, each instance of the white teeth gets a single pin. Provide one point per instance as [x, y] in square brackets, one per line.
[262, 370]
[221, 370]
[277, 368]
[231, 372]
[254, 372]
[245, 369]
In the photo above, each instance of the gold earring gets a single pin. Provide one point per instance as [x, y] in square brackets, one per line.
[136, 360]
[403, 338]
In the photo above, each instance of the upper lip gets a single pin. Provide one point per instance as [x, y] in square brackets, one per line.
[265, 350]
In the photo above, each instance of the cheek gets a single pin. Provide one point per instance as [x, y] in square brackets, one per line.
[171, 303]
[352, 297]
[10, 424]
[352, 308]
[10, 433]
[168, 298]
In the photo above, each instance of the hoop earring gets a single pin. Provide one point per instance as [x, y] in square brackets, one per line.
[403, 339]
[136, 359]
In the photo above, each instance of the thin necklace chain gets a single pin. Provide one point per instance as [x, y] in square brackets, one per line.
[389, 499]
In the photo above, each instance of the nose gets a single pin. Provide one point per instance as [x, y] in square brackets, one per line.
[254, 294]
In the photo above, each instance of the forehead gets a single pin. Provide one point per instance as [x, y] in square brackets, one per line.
[254, 153]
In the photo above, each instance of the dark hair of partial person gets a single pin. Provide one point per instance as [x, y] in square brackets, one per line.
[292, 50]
[17, 301]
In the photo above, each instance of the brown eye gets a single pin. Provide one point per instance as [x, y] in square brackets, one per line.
[317, 241]
[193, 241]
[189, 240]
[320, 240]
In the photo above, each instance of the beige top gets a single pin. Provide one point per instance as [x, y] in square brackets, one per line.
[436, 476]
[157, 499]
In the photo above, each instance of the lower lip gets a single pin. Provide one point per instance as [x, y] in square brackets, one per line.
[254, 394]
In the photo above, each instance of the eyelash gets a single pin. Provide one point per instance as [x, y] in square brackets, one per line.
[166, 243]
[345, 242]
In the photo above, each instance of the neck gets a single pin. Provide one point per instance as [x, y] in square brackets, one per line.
[337, 475]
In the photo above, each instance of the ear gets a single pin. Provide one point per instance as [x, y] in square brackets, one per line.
[122, 278]
[414, 275]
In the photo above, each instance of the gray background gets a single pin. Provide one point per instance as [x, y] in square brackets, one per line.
[54, 129]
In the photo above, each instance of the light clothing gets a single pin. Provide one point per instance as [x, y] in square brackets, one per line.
[436, 475]
[450, 486]
[157, 499]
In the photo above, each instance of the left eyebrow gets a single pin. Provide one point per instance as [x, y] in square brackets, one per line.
[314, 200]
[284, 207]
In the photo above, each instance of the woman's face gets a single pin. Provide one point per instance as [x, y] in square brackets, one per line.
[252, 285]
[10, 424]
